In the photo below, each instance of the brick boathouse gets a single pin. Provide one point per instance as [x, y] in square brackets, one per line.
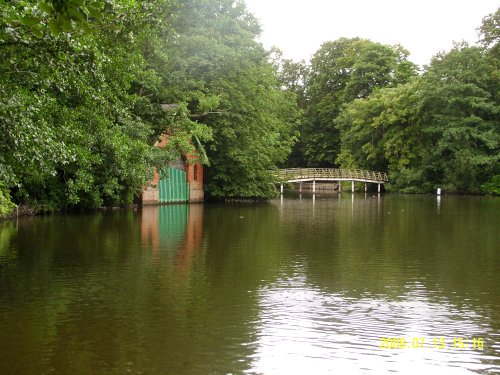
[180, 181]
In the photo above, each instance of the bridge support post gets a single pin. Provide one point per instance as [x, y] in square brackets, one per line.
[366, 188]
[314, 186]
[352, 186]
[340, 186]
[378, 188]
[281, 188]
[300, 187]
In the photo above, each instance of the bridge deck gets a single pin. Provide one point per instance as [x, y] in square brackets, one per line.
[330, 174]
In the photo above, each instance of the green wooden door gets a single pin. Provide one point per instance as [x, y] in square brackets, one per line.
[173, 186]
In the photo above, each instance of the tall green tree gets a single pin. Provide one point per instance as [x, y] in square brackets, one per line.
[292, 77]
[81, 99]
[490, 33]
[225, 76]
[441, 130]
[341, 71]
[461, 119]
[381, 132]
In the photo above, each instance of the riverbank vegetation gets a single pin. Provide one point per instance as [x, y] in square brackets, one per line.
[368, 107]
[87, 86]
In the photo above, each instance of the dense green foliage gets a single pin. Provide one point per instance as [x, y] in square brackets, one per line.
[87, 86]
[218, 65]
[460, 120]
[80, 108]
[6, 206]
[439, 130]
[340, 72]
[367, 108]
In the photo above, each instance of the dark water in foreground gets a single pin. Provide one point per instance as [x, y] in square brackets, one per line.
[296, 286]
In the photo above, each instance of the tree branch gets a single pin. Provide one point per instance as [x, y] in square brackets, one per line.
[6, 44]
[199, 115]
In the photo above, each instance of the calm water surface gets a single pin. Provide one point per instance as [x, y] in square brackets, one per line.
[295, 286]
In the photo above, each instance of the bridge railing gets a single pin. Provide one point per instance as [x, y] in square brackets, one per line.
[331, 173]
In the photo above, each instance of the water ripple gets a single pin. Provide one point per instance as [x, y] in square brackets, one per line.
[303, 329]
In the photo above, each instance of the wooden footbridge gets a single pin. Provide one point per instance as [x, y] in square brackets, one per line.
[329, 174]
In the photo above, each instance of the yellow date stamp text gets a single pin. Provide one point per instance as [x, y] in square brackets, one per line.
[431, 343]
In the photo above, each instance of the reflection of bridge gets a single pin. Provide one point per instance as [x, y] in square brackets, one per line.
[330, 174]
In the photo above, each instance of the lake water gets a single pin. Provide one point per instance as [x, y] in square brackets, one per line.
[301, 285]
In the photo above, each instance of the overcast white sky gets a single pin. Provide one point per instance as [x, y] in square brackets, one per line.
[424, 27]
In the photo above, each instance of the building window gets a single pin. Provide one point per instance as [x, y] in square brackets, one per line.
[196, 172]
